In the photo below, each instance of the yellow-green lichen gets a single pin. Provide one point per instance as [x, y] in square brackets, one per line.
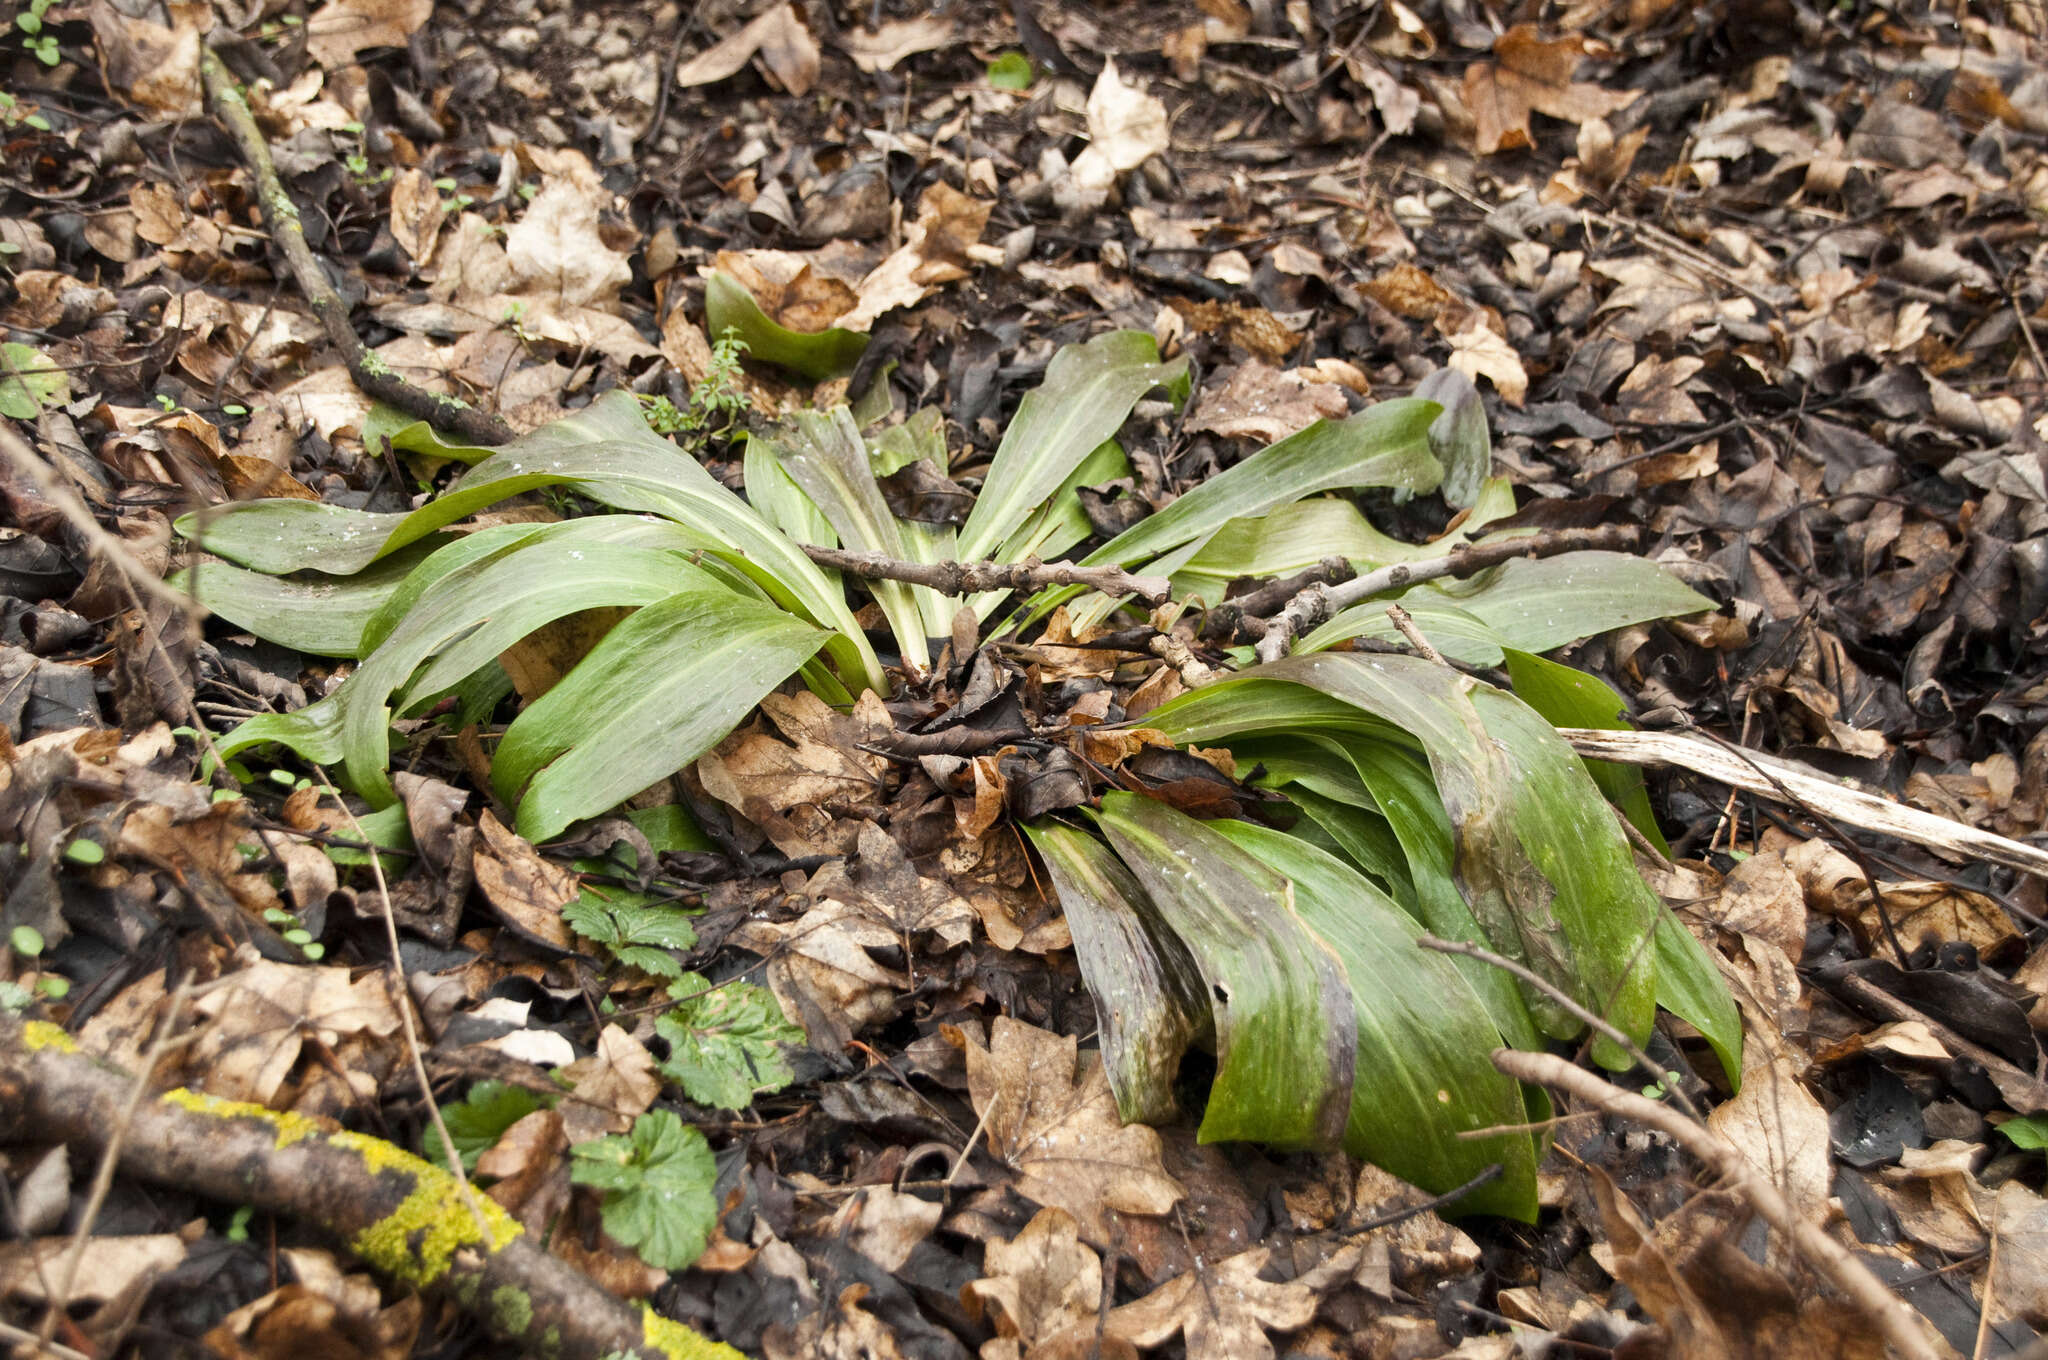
[291, 1127]
[41, 1034]
[417, 1240]
[511, 1309]
[375, 365]
[668, 1337]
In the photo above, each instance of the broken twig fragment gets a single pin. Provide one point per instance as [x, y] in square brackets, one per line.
[968, 578]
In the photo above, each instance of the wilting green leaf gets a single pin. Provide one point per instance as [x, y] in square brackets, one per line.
[662, 688]
[1424, 1077]
[1567, 697]
[29, 381]
[1087, 394]
[1534, 604]
[1286, 1040]
[1458, 437]
[814, 355]
[658, 1183]
[479, 1120]
[823, 454]
[1150, 1002]
[726, 1042]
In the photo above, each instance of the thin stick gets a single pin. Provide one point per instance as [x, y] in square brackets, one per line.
[1899, 1323]
[1787, 782]
[1319, 603]
[1405, 622]
[969, 578]
[404, 1004]
[116, 549]
[1562, 998]
[43, 1347]
[371, 374]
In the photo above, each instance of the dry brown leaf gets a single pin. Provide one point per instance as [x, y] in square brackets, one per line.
[885, 886]
[843, 1331]
[108, 1266]
[613, 1086]
[157, 67]
[1478, 352]
[784, 45]
[556, 250]
[1224, 1311]
[529, 1164]
[1058, 1129]
[885, 1225]
[1529, 74]
[1776, 1123]
[417, 211]
[261, 1017]
[1267, 404]
[879, 49]
[821, 973]
[810, 792]
[1040, 1283]
[525, 890]
[341, 28]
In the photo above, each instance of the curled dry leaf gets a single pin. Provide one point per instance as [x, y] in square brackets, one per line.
[1528, 74]
[879, 49]
[1057, 1127]
[1040, 1283]
[784, 45]
[526, 891]
[342, 28]
[1223, 1311]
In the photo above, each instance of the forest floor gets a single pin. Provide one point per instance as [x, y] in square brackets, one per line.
[1765, 280]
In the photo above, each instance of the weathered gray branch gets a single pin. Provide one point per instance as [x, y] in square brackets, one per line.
[969, 578]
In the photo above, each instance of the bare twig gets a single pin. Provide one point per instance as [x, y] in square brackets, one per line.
[1175, 652]
[1226, 620]
[1901, 1326]
[1406, 624]
[968, 578]
[1318, 603]
[1788, 782]
[371, 374]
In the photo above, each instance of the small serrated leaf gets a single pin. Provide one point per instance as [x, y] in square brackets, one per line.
[658, 1180]
[725, 1043]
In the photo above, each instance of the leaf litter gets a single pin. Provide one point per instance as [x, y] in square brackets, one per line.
[1781, 312]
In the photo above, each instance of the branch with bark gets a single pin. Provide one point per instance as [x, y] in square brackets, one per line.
[372, 375]
[969, 578]
[1319, 603]
[402, 1215]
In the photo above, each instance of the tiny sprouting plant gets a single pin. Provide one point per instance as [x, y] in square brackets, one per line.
[40, 44]
[713, 402]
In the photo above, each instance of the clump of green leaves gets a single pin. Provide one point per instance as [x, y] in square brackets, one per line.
[638, 934]
[658, 1181]
[712, 403]
[726, 1042]
[38, 43]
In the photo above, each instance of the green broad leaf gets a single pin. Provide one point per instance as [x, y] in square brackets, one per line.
[669, 827]
[479, 1120]
[1424, 1077]
[2028, 1131]
[1087, 395]
[1459, 437]
[1535, 604]
[1383, 445]
[1546, 871]
[1568, 697]
[823, 453]
[726, 1043]
[322, 615]
[658, 1181]
[776, 495]
[661, 689]
[282, 535]
[814, 355]
[29, 381]
[605, 452]
[409, 435]
[1691, 988]
[1286, 1038]
[1011, 71]
[457, 626]
[387, 829]
[1150, 1002]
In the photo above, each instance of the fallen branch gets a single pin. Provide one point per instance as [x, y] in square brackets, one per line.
[1319, 603]
[1788, 782]
[1227, 620]
[969, 578]
[402, 1215]
[372, 375]
[1902, 1327]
